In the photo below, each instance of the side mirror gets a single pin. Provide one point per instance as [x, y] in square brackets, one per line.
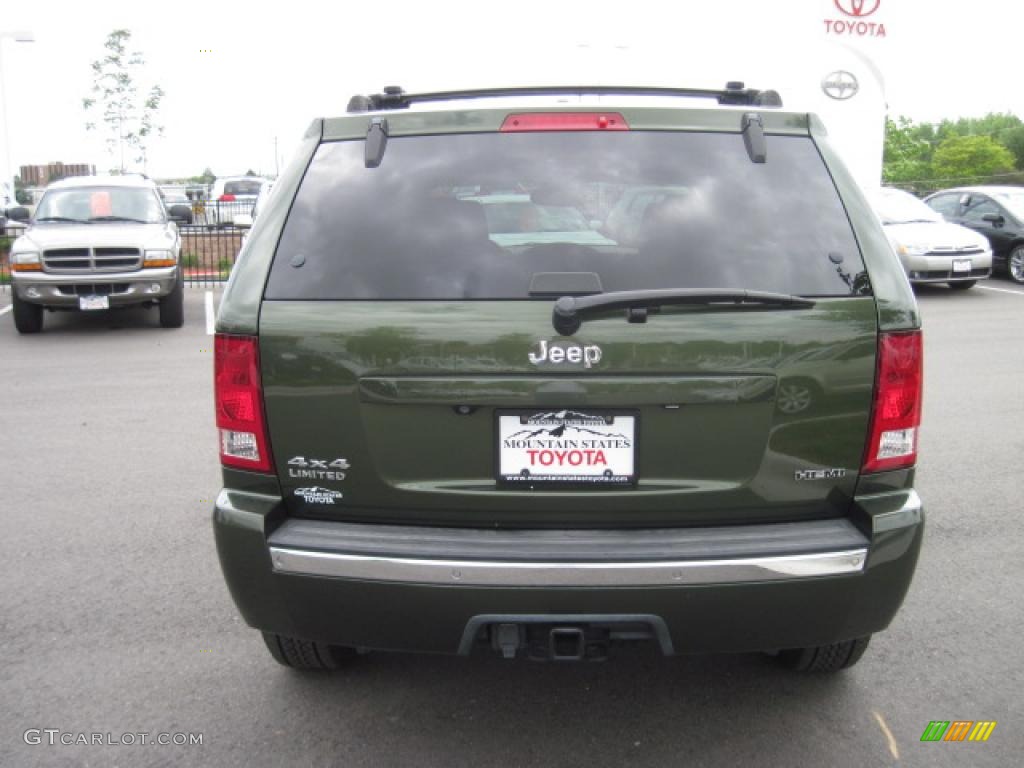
[180, 212]
[18, 213]
[994, 218]
[242, 221]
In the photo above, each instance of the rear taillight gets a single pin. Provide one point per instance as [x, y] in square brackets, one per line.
[239, 403]
[226, 198]
[896, 414]
[565, 121]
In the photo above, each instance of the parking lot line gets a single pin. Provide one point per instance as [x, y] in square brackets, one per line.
[1001, 290]
[894, 750]
[210, 316]
[6, 309]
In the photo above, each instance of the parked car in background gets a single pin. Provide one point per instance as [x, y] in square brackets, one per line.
[931, 250]
[97, 242]
[246, 220]
[997, 212]
[172, 199]
[230, 197]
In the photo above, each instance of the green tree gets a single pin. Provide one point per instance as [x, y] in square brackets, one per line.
[1013, 140]
[129, 117]
[206, 177]
[907, 154]
[970, 158]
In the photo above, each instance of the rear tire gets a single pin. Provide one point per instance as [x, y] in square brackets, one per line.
[172, 306]
[1015, 263]
[28, 317]
[963, 285]
[825, 658]
[302, 654]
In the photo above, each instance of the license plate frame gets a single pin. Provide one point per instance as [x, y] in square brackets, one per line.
[615, 426]
[92, 303]
[961, 266]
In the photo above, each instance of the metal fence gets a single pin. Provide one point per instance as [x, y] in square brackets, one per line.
[208, 252]
[7, 238]
[208, 255]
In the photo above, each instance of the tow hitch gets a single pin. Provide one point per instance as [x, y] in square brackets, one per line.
[542, 640]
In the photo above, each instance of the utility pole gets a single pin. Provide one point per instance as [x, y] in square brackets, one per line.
[20, 36]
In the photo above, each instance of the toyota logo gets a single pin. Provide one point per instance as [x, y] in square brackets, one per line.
[840, 85]
[856, 7]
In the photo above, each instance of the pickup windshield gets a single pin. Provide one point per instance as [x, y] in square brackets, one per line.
[477, 216]
[128, 204]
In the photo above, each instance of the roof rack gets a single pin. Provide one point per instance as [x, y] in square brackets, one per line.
[734, 94]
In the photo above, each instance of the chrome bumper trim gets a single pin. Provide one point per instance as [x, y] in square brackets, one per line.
[577, 574]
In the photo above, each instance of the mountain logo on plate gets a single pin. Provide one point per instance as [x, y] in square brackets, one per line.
[556, 423]
[566, 446]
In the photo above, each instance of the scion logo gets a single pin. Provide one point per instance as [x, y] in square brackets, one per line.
[858, 8]
[316, 495]
[840, 85]
[569, 353]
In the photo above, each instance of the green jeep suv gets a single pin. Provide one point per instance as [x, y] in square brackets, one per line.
[506, 371]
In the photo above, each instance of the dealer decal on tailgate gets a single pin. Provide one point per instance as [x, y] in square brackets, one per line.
[566, 447]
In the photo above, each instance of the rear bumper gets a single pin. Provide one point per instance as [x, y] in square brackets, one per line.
[744, 588]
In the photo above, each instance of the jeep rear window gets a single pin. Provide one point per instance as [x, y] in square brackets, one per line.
[476, 216]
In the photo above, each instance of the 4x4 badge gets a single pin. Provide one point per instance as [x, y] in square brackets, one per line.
[317, 469]
[569, 353]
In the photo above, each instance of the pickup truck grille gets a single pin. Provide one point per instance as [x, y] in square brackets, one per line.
[90, 289]
[92, 259]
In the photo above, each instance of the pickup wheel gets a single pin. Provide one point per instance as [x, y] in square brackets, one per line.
[304, 654]
[825, 658]
[28, 318]
[172, 307]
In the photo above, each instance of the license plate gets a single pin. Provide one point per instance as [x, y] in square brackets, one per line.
[93, 302]
[566, 446]
[961, 265]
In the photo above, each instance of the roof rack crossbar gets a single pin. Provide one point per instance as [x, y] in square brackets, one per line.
[734, 94]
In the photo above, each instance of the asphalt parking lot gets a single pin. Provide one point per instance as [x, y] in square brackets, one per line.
[115, 617]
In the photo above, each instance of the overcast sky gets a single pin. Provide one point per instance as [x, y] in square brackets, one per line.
[238, 75]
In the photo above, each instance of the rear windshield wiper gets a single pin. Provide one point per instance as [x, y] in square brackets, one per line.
[61, 218]
[119, 218]
[569, 312]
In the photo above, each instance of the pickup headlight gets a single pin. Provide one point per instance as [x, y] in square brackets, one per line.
[912, 249]
[159, 259]
[26, 261]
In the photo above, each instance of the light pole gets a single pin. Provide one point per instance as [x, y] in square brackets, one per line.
[19, 36]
